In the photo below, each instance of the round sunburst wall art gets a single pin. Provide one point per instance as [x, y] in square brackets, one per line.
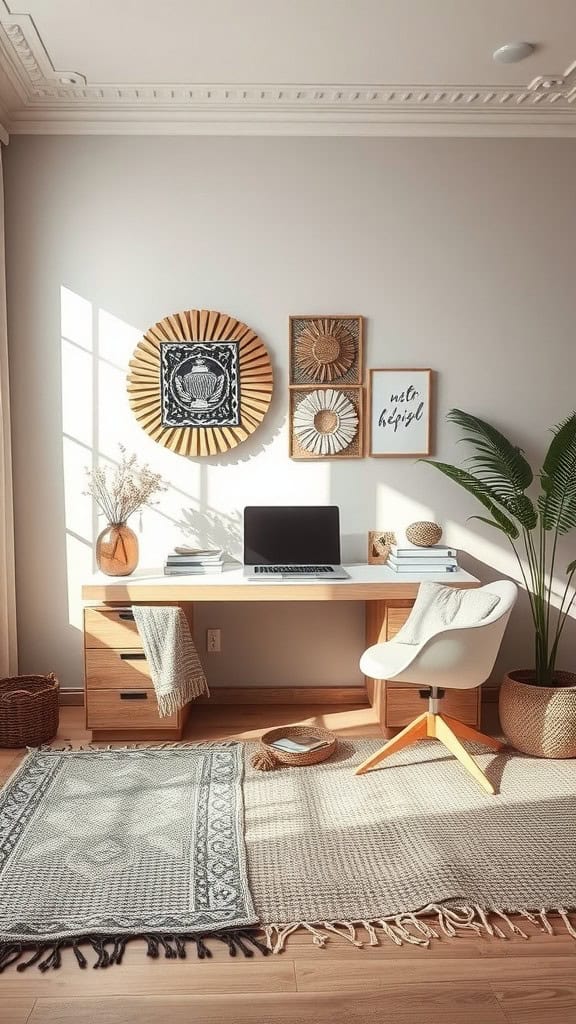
[325, 350]
[325, 422]
[200, 382]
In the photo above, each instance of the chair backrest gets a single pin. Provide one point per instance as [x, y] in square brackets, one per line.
[463, 656]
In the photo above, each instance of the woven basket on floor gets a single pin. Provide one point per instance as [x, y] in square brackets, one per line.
[28, 710]
[539, 720]
[268, 756]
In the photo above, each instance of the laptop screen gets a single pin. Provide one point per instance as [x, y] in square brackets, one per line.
[291, 535]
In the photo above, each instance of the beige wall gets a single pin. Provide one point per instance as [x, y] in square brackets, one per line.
[458, 252]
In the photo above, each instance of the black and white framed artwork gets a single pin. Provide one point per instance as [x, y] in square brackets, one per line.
[200, 384]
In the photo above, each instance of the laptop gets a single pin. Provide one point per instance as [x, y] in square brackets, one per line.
[292, 542]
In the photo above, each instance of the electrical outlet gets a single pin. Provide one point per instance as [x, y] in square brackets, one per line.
[213, 641]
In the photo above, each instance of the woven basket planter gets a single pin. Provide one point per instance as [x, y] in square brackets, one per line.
[268, 757]
[539, 720]
[28, 710]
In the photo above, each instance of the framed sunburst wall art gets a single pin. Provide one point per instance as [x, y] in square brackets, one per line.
[200, 382]
[326, 350]
[326, 423]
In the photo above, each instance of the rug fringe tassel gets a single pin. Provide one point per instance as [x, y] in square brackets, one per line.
[417, 929]
[110, 949]
[411, 928]
[567, 923]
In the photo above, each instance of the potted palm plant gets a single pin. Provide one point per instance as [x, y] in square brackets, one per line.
[537, 705]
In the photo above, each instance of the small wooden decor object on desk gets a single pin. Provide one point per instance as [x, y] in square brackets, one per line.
[379, 542]
[270, 756]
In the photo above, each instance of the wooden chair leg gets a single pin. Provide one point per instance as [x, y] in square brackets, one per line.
[466, 732]
[450, 740]
[415, 731]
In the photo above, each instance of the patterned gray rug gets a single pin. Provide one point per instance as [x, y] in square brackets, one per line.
[412, 850]
[98, 846]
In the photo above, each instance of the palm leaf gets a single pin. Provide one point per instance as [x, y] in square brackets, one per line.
[557, 503]
[500, 465]
[480, 490]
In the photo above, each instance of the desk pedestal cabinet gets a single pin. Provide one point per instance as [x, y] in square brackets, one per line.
[120, 698]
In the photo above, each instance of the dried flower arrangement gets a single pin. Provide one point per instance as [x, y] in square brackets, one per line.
[124, 490]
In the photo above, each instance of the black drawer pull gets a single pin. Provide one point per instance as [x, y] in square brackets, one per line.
[133, 695]
[128, 616]
[133, 656]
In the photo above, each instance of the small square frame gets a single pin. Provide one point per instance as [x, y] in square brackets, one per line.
[311, 371]
[355, 450]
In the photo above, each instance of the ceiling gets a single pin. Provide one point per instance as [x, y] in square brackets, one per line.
[286, 66]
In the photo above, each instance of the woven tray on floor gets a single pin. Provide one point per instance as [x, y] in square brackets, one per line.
[293, 732]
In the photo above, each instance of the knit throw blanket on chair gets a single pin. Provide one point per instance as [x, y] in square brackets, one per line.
[177, 674]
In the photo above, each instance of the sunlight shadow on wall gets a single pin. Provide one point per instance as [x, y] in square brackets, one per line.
[204, 499]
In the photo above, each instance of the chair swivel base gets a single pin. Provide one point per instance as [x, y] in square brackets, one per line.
[447, 730]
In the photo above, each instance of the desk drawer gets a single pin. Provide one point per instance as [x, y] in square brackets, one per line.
[117, 670]
[395, 619]
[110, 627]
[126, 709]
[404, 704]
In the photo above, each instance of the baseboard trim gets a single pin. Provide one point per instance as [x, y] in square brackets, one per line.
[278, 695]
[287, 695]
[72, 697]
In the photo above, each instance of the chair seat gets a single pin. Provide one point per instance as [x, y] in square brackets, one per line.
[385, 661]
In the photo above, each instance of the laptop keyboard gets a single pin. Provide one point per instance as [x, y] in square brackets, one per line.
[291, 570]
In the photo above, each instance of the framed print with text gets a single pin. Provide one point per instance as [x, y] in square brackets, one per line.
[400, 415]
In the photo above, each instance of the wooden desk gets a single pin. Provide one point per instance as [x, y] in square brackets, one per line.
[115, 667]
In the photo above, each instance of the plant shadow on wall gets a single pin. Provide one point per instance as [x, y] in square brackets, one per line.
[211, 529]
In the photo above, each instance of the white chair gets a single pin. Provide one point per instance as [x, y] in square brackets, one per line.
[453, 658]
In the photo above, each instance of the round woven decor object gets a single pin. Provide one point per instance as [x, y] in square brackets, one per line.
[28, 710]
[539, 720]
[267, 757]
[423, 534]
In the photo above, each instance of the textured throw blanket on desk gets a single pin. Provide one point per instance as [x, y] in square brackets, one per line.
[171, 653]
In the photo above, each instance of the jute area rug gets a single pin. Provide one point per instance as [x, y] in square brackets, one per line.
[100, 846]
[412, 850]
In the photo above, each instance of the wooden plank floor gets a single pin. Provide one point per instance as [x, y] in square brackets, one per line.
[456, 981]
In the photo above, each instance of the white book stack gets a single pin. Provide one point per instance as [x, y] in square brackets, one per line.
[408, 558]
[185, 561]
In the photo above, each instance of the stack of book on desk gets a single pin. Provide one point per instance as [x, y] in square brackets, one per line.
[185, 561]
[410, 559]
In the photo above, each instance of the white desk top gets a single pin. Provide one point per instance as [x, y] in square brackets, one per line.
[367, 582]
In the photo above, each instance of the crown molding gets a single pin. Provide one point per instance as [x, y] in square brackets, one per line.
[50, 101]
[296, 123]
